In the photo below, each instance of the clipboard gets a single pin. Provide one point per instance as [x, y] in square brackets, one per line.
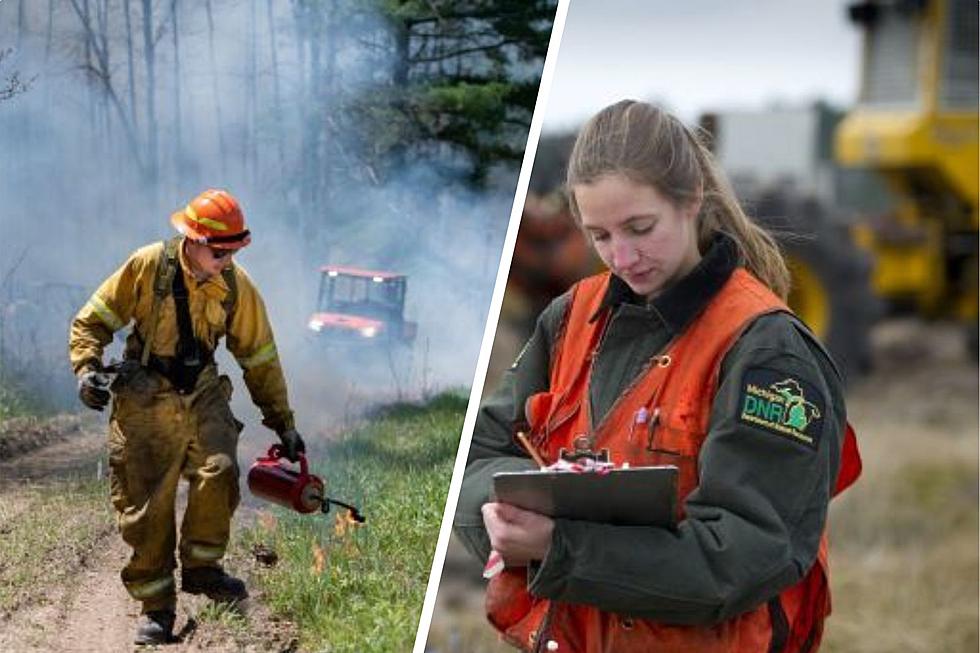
[634, 496]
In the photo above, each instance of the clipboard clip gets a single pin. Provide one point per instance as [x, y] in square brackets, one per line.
[581, 455]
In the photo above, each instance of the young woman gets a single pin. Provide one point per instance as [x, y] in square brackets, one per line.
[685, 354]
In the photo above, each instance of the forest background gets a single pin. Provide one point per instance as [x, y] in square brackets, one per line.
[383, 134]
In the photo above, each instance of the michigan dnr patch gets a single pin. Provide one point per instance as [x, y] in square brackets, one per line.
[782, 404]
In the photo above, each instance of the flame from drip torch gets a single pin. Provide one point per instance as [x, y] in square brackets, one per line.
[319, 559]
[344, 522]
[267, 521]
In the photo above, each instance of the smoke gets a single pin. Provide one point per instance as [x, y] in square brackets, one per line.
[445, 238]
[81, 188]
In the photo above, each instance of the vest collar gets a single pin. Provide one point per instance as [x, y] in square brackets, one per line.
[680, 303]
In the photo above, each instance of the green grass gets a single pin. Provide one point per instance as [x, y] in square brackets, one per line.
[27, 391]
[224, 617]
[45, 532]
[368, 594]
[904, 546]
[14, 403]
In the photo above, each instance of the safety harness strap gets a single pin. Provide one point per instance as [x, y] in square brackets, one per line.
[169, 276]
[166, 267]
[188, 360]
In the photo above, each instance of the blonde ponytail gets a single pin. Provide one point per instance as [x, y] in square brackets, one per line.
[722, 212]
[650, 146]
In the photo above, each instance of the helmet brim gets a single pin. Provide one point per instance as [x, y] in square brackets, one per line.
[185, 227]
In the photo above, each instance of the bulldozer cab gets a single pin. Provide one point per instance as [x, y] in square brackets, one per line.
[916, 126]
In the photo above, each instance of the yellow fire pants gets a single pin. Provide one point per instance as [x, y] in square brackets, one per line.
[157, 436]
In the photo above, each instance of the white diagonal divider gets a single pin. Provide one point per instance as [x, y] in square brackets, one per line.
[492, 318]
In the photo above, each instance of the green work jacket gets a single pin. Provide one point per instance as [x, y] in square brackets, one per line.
[762, 498]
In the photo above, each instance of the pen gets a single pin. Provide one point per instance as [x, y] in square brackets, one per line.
[639, 418]
[535, 456]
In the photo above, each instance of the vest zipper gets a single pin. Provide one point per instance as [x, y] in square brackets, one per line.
[539, 634]
[549, 428]
[778, 625]
[588, 380]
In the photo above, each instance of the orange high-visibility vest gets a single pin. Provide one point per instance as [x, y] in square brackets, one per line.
[676, 390]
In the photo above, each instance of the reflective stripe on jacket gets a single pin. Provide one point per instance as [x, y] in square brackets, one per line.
[676, 392]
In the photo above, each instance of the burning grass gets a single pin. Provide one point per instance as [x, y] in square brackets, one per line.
[352, 587]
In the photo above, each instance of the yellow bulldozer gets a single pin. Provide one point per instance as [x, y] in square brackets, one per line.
[916, 123]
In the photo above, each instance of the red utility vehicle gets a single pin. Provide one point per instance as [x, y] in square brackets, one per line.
[361, 307]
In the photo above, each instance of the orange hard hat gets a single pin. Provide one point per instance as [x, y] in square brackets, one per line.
[213, 218]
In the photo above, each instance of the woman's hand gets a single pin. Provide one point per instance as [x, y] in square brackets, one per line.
[520, 536]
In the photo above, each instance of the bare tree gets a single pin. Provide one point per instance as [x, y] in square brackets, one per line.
[5, 288]
[100, 70]
[149, 60]
[47, 41]
[130, 66]
[102, 17]
[250, 151]
[222, 147]
[308, 42]
[21, 24]
[178, 136]
[87, 62]
[276, 98]
[12, 84]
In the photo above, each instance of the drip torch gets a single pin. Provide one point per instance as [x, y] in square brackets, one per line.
[270, 479]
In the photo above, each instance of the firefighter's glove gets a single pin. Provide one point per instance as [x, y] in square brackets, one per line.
[93, 389]
[292, 444]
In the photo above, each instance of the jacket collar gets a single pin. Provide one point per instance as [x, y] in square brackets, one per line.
[681, 302]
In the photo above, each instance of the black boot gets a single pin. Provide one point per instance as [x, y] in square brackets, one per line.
[214, 583]
[155, 627]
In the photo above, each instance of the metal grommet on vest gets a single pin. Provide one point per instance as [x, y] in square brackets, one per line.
[582, 442]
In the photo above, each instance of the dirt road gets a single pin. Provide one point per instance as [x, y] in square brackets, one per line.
[75, 601]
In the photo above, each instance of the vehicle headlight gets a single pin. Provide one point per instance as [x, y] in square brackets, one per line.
[369, 332]
[316, 325]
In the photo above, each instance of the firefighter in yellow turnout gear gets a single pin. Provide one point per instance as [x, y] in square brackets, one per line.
[170, 412]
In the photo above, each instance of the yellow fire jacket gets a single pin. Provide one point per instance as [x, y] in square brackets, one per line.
[127, 296]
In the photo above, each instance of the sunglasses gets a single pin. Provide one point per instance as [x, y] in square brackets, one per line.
[218, 253]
